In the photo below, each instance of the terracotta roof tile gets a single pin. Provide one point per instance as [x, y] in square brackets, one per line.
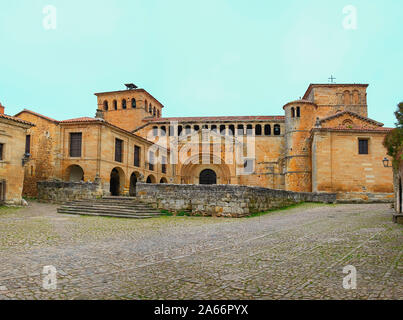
[219, 118]
[81, 119]
[5, 116]
[353, 114]
[37, 114]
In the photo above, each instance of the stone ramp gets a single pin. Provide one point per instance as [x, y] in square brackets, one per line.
[118, 207]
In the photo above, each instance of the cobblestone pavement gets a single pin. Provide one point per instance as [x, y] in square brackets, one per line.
[297, 253]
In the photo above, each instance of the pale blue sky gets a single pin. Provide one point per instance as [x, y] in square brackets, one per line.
[210, 57]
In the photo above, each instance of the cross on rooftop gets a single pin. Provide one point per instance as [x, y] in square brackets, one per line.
[331, 79]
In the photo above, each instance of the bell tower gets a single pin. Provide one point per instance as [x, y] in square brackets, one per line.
[128, 108]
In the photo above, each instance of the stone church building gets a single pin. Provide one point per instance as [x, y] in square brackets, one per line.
[324, 142]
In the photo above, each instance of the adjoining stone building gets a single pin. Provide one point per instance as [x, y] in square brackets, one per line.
[14, 154]
[324, 142]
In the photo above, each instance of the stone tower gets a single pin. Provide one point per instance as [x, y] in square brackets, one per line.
[128, 108]
[300, 118]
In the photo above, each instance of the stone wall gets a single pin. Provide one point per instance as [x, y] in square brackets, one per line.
[60, 191]
[223, 200]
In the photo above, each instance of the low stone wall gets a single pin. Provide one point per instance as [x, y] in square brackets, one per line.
[365, 197]
[60, 191]
[223, 200]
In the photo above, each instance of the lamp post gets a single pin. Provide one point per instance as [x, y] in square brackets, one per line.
[386, 163]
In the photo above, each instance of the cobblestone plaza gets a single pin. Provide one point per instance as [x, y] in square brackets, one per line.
[298, 253]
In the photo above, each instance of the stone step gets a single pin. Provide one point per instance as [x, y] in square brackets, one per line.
[104, 214]
[112, 210]
[107, 205]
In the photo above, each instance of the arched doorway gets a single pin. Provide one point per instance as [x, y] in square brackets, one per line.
[75, 173]
[150, 179]
[115, 183]
[133, 182]
[163, 180]
[208, 176]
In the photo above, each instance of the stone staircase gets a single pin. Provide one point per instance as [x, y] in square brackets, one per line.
[119, 207]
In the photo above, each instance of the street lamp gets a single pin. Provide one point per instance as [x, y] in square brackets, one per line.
[386, 163]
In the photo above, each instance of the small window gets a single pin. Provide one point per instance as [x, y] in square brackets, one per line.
[115, 105]
[106, 105]
[298, 112]
[188, 129]
[180, 128]
[137, 153]
[196, 127]
[258, 130]
[124, 106]
[267, 130]
[1, 151]
[150, 109]
[231, 129]
[222, 130]
[28, 144]
[134, 103]
[151, 161]
[155, 131]
[240, 130]
[158, 114]
[214, 128]
[277, 130]
[75, 144]
[118, 150]
[363, 146]
[249, 130]
[154, 112]
[292, 112]
[163, 131]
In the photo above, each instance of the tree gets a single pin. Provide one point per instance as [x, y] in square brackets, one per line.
[394, 139]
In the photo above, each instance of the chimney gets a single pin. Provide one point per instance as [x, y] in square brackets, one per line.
[1, 109]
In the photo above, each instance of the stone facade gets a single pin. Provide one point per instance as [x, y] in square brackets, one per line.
[12, 151]
[313, 147]
[223, 200]
[60, 191]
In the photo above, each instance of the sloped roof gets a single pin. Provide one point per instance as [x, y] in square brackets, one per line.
[217, 119]
[7, 117]
[37, 114]
[353, 114]
[301, 101]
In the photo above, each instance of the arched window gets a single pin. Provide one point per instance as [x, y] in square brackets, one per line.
[214, 128]
[277, 130]
[155, 131]
[346, 97]
[356, 97]
[292, 112]
[163, 131]
[231, 129]
[154, 112]
[150, 108]
[134, 103]
[267, 130]
[124, 104]
[222, 130]
[258, 130]
[196, 127]
[115, 105]
[158, 114]
[249, 130]
[240, 130]
[145, 105]
[106, 105]
[298, 112]
[180, 130]
[187, 129]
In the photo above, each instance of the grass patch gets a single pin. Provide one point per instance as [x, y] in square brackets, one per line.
[292, 206]
[7, 210]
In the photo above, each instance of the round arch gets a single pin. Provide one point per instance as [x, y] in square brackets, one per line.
[75, 173]
[117, 181]
[151, 179]
[208, 176]
[133, 182]
[163, 180]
